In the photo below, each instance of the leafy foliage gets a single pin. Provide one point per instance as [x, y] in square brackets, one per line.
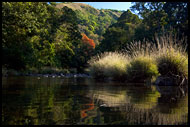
[159, 15]
[38, 34]
[89, 42]
[120, 33]
[20, 22]
[93, 22]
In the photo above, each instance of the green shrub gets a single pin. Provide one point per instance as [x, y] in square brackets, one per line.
[108, 64]
[141, 68]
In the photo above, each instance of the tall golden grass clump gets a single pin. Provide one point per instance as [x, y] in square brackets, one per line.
[166, 56]
[109, 64]
[141, 49]
[172, 58]
[142, 65]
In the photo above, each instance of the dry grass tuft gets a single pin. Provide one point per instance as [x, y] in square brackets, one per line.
[108, 64]
[144, 60]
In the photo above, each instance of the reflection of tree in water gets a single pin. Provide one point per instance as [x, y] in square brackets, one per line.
[46, 102]
[16, 98]
[43, 101]
[66, 112]
[143, 96]
[36, 103]
[66, 106]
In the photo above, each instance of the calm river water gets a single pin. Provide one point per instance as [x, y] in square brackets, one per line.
[83, 101]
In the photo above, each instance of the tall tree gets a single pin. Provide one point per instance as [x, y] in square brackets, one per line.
[177, 16]
[20, 22]
[161, 15]
[119, 34]
[67, 38]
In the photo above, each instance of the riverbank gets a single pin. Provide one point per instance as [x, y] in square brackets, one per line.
[44, 73]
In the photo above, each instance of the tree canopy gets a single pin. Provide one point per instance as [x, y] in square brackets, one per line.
[38, 34]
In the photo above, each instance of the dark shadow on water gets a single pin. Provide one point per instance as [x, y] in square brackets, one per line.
[173, 100]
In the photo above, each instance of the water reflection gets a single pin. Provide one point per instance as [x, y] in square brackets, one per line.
[144, 97]
[60, 101]
[174, 103]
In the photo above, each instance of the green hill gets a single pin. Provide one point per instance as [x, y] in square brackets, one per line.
[93, 22]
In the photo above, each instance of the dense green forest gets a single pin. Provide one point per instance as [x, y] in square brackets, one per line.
[67, 35]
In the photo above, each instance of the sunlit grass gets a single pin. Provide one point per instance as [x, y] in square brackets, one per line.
[141, 68]
[172, 58]
[144, 60]
[166, 56]
[108, 64]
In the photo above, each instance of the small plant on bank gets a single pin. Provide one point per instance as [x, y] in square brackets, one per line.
[108, 64]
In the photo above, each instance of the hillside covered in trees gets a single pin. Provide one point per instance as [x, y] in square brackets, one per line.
[67, 35]
[93, 22]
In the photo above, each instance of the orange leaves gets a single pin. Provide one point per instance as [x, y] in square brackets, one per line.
[88, 41]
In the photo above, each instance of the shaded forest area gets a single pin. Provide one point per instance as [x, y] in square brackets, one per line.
[38, 34]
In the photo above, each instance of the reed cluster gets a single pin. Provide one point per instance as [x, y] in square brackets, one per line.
[109, 65]
[144, 60]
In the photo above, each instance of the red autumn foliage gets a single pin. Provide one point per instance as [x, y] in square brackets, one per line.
[88, 41]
